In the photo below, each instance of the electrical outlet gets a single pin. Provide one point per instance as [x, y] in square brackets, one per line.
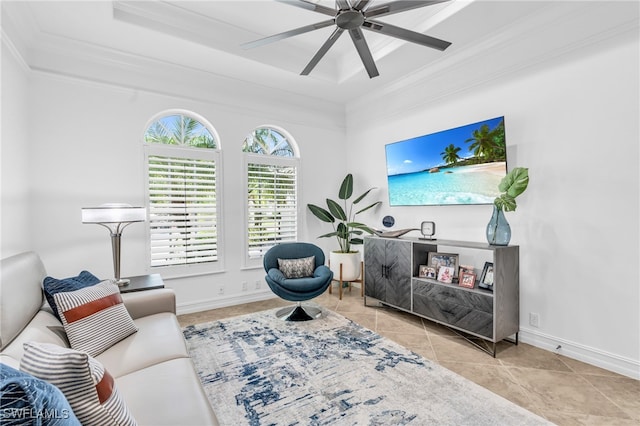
[258, 284]
[534, 319]
[244, 286]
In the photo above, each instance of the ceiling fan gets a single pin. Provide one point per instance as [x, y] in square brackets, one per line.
[353, 16]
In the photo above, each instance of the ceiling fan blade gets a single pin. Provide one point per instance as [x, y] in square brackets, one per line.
[287, 34]
[399, 6]
[308, 5]
[401, 33]
[343, 4]
[364, 52]
[361, 4]
[323, 50]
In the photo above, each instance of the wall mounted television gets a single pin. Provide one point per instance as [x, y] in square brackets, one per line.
[459, 166]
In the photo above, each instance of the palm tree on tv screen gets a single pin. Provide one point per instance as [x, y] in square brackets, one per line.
[450, 154]
[488, 145]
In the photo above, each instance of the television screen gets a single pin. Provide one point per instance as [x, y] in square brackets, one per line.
[463, 165]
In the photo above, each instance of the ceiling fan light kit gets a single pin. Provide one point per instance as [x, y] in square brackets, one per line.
[353, 16]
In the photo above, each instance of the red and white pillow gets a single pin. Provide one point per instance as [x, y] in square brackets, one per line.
[94, 317]
[87, 385]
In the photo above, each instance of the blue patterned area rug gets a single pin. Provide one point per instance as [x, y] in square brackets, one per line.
[258, 370]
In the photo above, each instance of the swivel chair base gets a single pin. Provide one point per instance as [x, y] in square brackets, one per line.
[298, 313]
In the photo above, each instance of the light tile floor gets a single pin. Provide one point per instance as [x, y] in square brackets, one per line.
[563, 390]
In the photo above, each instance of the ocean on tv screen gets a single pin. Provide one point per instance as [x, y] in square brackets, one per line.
[471, 184]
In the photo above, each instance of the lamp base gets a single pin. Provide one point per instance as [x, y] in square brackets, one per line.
[122, 282]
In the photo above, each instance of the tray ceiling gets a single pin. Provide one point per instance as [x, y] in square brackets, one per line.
[205, 37]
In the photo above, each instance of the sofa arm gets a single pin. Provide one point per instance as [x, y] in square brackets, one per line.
[149, 302]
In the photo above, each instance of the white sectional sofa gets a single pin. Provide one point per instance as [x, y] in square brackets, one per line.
[151, 368]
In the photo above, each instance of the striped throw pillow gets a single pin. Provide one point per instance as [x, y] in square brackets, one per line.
[87, 385]
[94, 318]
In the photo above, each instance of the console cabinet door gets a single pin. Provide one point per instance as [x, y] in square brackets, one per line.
[388, 271]
[398, 263]
[374, 258]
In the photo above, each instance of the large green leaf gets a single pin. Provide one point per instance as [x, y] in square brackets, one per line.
[505, 202]
[336, 210]
[330, 234]
[357, 200]
[368, 207]
[321, 213]
[346, 189]
[342, 231]
[515, 182]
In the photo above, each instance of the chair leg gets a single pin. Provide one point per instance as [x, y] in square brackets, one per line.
[299, 313]
[340, 281]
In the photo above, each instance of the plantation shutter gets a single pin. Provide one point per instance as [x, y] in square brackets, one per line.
[182, 210]
[271, 206]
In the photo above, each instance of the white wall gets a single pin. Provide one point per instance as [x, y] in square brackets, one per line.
[85, 149]
[14, 157]
[574, 123]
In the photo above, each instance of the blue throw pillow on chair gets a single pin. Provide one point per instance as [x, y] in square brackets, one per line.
[52, 286]
[27, 400]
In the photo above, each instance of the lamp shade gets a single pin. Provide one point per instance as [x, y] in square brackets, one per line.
[114, 213]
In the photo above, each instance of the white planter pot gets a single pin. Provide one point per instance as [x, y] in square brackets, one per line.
[350, 265]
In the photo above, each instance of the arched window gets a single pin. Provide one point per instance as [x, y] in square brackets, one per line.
[182, 157]
[271, 180]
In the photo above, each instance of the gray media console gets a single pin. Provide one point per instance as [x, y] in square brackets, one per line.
[391, 267]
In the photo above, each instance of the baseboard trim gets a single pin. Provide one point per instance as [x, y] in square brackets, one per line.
[223, 302]
[593, 356]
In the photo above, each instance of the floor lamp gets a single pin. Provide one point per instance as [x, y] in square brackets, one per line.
[114, 217]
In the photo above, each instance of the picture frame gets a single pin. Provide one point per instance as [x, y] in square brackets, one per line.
[443, 259]
[432, 272]
[445, 274]
[467, 279]
[422, 271]
[465, 268]
[486, 279]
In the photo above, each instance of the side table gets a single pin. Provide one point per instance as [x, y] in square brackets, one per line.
[142, 283]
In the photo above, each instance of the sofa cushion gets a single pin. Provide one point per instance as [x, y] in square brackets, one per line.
[40, 329]
[94, 317]
[168, 394]
[52, 286]
[297, 268]
[20, 293]
[27, 399]
[87, 385]
[159, 338]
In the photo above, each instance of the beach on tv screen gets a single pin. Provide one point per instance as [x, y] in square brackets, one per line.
[463, 165]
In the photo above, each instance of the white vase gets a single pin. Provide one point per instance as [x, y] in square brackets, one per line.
[350, 265]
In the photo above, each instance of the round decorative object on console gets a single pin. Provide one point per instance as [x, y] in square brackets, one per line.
[388, 221]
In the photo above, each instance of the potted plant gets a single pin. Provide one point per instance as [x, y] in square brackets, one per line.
[513, 184]
[345, 228]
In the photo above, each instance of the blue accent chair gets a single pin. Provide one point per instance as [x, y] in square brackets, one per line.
[297, 289]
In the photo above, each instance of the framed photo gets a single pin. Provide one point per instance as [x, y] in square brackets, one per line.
[443, 259]
[445, 274]
[467, 279]
[422, 271]
[432, 272]
[486, 279]
[465, 268]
